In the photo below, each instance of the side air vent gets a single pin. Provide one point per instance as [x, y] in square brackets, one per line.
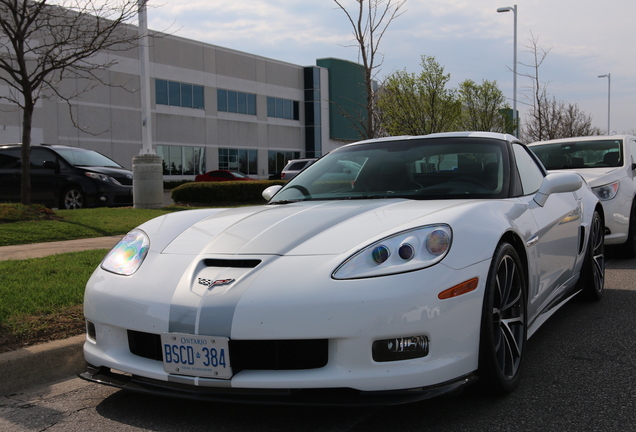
[225, 263]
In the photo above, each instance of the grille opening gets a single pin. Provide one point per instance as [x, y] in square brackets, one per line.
[248, 354]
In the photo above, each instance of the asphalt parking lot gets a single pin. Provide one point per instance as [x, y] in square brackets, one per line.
[579, 376]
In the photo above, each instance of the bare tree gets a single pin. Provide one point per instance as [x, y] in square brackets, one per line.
[43, 43]
[534, 126]
[549, 118]
[577, 123]
[369, 21]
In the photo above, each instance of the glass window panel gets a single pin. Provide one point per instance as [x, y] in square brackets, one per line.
[296, 110]
[162, 151]
[176, 161]
[188, 161]
[197, 97]
[271, 162]
[231, 101]
[242, 161]
[251, 104]
[223, 159]
[271, 107]
[199, 159]
[174, 93]
[221, 100]
[279, 108]
[241, 103]
[233, 160]
[161, 92]
[186, 95]
[287, 109]
[252, 156]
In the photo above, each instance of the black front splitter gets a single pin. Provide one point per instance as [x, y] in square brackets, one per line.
[303, 397]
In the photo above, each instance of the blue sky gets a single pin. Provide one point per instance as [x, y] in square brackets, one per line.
[586, 38]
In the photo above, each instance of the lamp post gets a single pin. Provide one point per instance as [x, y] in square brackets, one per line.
[513, 9]
[147, 167]
[609, 83]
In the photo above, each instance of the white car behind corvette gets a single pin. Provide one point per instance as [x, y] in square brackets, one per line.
[607, 163]
[390, 270]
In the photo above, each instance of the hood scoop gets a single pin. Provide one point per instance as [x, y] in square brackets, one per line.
[231, 263]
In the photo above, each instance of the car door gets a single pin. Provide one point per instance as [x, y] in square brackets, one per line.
[10, 174]
[46, 181]
[555, 242]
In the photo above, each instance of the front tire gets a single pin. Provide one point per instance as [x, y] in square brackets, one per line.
[592, 278]
[72, 198]
[629, 247]
[503, 322]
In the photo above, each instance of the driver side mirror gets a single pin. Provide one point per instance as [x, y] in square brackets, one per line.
[557, 182]
[271, 191]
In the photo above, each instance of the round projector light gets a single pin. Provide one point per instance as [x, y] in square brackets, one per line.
[380, 254]
[406, 252]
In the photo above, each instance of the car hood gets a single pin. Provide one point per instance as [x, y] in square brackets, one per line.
[307, 228]
[601, 176]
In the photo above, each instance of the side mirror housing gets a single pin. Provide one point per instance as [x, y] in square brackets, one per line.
[557, 182]
[271, 191]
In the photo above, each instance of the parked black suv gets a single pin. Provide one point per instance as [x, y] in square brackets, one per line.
[65, 177]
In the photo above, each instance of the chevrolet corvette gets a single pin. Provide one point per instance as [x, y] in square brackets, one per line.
[391, 270]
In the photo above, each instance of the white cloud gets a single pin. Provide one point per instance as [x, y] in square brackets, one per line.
[468, 37]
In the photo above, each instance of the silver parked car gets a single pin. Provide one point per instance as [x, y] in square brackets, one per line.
[607, 164]
[295, 166]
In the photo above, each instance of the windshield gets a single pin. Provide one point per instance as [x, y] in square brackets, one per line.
[87, 158]
[580, 154]
[434, 168]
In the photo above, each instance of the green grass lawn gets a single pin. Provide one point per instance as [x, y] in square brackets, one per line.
[41, 298]
[72, 224]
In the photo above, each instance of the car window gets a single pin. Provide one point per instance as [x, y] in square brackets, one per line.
[42, 158]
[296, 166]
[10, 158]
[81, 157]
[530, 173]
[580, 154]
[429, 168]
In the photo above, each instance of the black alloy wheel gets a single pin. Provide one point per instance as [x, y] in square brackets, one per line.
[72, 199]
[592, 279]
[504, 322]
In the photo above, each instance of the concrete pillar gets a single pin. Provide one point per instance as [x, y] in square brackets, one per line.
[147, 181]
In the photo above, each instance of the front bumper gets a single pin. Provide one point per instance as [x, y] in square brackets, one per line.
[349, 315]
[322, 397]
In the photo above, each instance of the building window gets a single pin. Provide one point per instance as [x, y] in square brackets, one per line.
[236, 102]
[282, 108]
[179, 160]
[242, 160]
[276, 160]
[178, 94]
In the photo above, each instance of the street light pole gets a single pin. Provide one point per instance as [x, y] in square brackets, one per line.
[515, 115]
[609, 83]
[147, 167]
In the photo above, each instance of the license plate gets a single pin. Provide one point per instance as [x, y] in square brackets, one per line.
[196, 355]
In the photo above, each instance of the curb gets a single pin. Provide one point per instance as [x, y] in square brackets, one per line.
[40, 364]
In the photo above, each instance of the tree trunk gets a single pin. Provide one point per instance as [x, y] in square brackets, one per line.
[27, 119]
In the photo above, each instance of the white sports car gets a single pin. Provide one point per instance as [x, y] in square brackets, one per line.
[390, 270]
[607, 163]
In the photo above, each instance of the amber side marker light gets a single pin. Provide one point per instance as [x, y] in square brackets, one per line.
[457, 290]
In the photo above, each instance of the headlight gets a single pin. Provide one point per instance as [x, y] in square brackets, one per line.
[403, 252]
[606, 192]
[102, 177]
[126, 257]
